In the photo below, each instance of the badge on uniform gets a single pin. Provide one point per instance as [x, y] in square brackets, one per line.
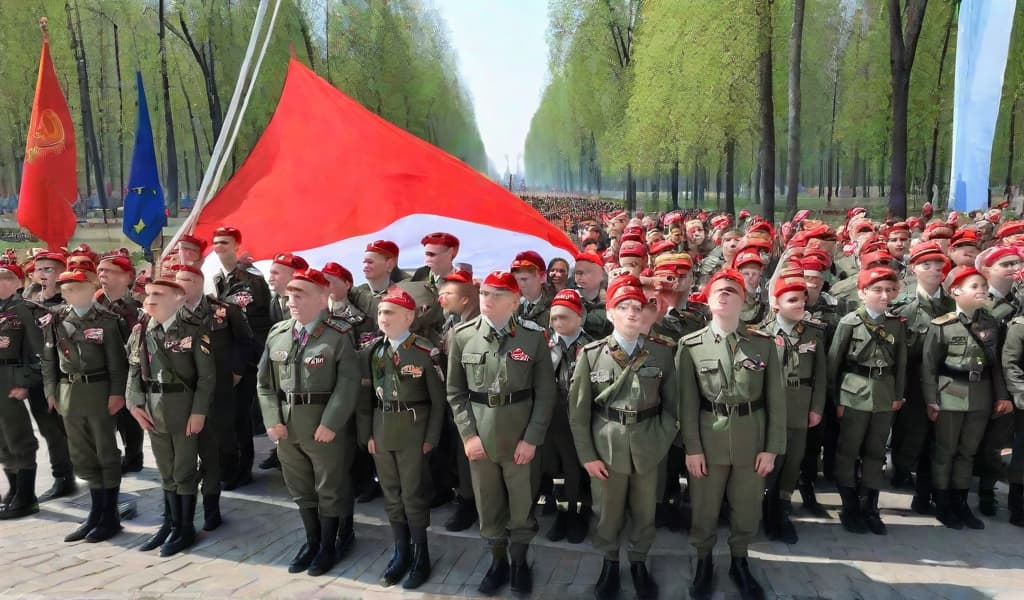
[220, 314]
[780, 341]
[316, 361]
[519, 354]
[957, 340]
[5, 342]
[94, 334]
[279, 355]
[412, 371]
[242, 299]
[186, 343]
[601, 376]
[808, 347]
[751, 364]
[45, 319]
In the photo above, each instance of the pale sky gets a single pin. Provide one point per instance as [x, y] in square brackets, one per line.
[503, 57]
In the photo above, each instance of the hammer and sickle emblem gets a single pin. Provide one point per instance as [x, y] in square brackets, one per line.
[47, 135]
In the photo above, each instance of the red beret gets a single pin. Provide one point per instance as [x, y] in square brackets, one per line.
[589, 257]
[821, 232]
[228, 232]
[194, 241]
[502, 280]
[1010, 228]
[619, 214]
[881, 256]
[622, 288]
[965, 237]
[992, 255]
[662, 246]
[869, 277]
[121, 262]
[746, 257]
[959, 274]
[731, 275]
[312, 276]
[81, 262]
[86, 251]
[875, 245]
[939, 230]
[50, 255]
[399, 297]
[570, 299]
[385, 248]
[526, 260]
[188, 269]
[632, 249]
[863, 226]
[914, 223]
[634, 230]
[789, 284]
[744, 213]
[718, 221]
[441, 238]
[756, 242]
[764, 226]
[680, 263]
[12, 267]
[76, 276]
[926, 251]
[459, 276]
[631, 237]
[814, 265]
[169, 283]
[673, 218]
[856, 210]
[287, 259]
[335, 270]
[900, 226]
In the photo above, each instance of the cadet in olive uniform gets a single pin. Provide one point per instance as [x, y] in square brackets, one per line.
[623, 410]
[171, 381]
[912, 435]
[244, 285]
[801, 346]
[733, 420]
[529, 270]
[231, 345]
[867, 364]
[85, 372]
[20, 341]
[961, 378]
[588, 275]
[567, 338]
[501, 386]
[755, 304]
[400, 423]
[1013, 373]
[309, 387]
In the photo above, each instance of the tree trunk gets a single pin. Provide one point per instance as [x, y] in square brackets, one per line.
[902, 49]
[91, 144]
[767, 108]
[1010, 143]
[855, 171]
[828, 183]
[120, 128]
[195, 138]
[171, 176]
[675, 185]
[796, 36]
[932, 174]
[730, 175]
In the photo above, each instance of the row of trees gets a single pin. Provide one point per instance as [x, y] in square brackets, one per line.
[394, 57]
[764, 94]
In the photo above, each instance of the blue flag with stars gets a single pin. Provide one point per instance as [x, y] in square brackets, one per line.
[144, 213]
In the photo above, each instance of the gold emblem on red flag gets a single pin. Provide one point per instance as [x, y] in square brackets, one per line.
[47, 136]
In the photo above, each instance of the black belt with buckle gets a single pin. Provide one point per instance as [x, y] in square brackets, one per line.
[494, 400]
[971, 376]
[307, 397]
[155, 387]
[9, 362]
[722, 409]
[626, 416]
[85, 377]
[391, 406]
[869, 372]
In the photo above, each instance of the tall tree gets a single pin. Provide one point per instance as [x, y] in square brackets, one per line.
[88, 128]
[767, 108]
[171, 158]
[796, 36]
[905, 20]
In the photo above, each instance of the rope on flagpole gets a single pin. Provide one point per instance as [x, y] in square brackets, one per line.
[221, 149]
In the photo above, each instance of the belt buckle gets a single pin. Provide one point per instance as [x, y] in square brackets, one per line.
[974, 376]
[721, 409]
[73, 378]
[873, 370]
[494, 400]
[627, 417]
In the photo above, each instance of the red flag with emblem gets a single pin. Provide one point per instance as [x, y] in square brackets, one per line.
[48, 182]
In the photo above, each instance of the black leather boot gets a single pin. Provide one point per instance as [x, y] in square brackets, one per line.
[325, 559]
[944, 509]
[521, 577]
[96, 499]
[401, 558]
[305, 555]
[1015, 500]
[872, 517]
[559, 527]
[902, 479]
[185, 536]
[157, 539]
[419, 573]
[703, 579]
[851, 517]
[963, 511]
[371, 493]
[110, 518]
[346, 539]
[463, 517]
[645, 586]
[769, 522]
[787, 533]
[62, 486]
[24, 502]
[12, 486]
[987, 503]
[578, 524]
[810, 501]
[211, 512]
[498, 573]
[608, 582]
[271, 461]
[739, 572]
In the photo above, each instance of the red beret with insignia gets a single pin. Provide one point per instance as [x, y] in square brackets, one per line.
[192, 241]
[335, 270]
[869, 277]
[662, 246]
[622, 288]
[789, 284]
[959, 274]
[50, 255]
[632, 249]
[230, 232]
[385, 248]
[926, 251]
[188, 269]
[287, 259]
[121, 262]
[459, 276]
[589, 257]
[502, 280]
[399, 297]
[570, 299]
[169, 283]
[312, 276]
[528, 259]
[730, 275]
[76, 276]
[441, 238]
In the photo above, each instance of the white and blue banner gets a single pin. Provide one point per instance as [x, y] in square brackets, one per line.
[982, 44]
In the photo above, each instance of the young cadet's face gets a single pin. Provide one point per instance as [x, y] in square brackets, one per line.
[627, 318]
[278, 277]
[188, 254]
[9, 284]
[696, 236]
[113, 276]
[192, 283]
[558, 274]
[1003, 270]
[878, 295]
[675, 236]
[588, 276]
[791, 305]
[225, 245]
[897, 244]
[305, 300]
[497, 304]
[162, 302]
[972, 293]
[725, 299]
[438, 257]
[633, 264]
[530, 281]
[929, 272]
[375, 266]
[963, 255]
[730, 244]
[78, 293]
[394, 320]
[751, 276]
[564, 320]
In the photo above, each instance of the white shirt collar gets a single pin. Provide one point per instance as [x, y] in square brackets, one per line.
[166, 324]
[715, 329]
[628, 346]
[569, 340]
[871, 313]
[496, 326]
[395, 343]
[785, 324]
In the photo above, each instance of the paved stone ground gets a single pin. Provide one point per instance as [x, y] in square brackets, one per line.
[248, 556]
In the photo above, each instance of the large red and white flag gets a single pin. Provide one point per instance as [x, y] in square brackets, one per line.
[328, 176]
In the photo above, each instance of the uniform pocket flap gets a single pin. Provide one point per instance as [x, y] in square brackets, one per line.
[469, 358]
[952, 387]
[855, 384]
[707, 366]
[649, 372]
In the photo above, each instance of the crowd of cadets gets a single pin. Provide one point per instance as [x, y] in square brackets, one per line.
[749, 360]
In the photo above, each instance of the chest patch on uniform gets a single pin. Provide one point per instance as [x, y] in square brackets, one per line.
[412, 371]
[780, 341]
[5, 342]
[242, 299]
[808, 347]
[94, 334]
[752, 364]
[519, 354]
[316, 361]
[602, 376]
[44, 320]
[278, 355]
[220, 314]
[958, 340]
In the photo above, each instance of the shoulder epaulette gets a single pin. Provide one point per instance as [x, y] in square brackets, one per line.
[424, 345]
[528, 324]
[1018, 320]
[466, 324]
[662, 340]
[759, 333]
[338, 325]
[815, 323]
[280, 326]
[596, 344]
[944, 319]
[692, 339]
[850, 318]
